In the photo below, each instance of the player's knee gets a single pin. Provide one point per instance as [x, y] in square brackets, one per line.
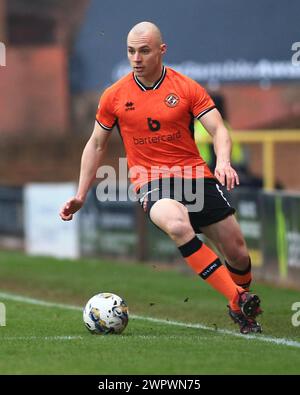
[178, 228]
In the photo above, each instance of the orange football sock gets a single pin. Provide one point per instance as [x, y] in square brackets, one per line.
[209, 267]
[240, 277]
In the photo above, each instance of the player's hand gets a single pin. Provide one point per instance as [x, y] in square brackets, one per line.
[70, 208]
[226, 175]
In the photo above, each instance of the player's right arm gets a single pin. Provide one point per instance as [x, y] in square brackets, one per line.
[90, 161]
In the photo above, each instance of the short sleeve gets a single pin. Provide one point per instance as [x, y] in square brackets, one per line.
[105, 112]
[201, 102]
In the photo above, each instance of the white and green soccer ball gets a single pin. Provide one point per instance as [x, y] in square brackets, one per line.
[105, 313]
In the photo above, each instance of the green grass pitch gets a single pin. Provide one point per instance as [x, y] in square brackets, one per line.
[40, 339]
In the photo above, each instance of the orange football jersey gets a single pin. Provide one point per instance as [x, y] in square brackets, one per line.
[157, 124]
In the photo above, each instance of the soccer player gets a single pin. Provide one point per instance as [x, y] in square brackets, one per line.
[154, 108]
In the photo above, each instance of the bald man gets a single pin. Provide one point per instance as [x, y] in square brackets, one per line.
[154, 108]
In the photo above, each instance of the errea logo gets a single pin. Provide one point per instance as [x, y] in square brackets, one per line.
[129, 106]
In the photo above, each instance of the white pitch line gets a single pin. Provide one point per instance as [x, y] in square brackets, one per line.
[24, 299]
[268, 339]
[41, 338]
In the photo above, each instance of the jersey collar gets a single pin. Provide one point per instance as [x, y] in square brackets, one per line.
[156, 85]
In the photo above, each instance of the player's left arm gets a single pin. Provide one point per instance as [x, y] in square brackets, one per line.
[213, 123]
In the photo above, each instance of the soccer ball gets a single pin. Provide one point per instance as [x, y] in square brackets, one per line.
[105, 313]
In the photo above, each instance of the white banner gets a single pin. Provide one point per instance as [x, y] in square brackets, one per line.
[45, 232]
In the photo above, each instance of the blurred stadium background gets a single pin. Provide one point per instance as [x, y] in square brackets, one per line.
[60, 55]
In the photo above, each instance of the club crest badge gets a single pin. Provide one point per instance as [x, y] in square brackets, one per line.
[172, 100]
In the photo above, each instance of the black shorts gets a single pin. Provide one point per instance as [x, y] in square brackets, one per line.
[215, 206]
